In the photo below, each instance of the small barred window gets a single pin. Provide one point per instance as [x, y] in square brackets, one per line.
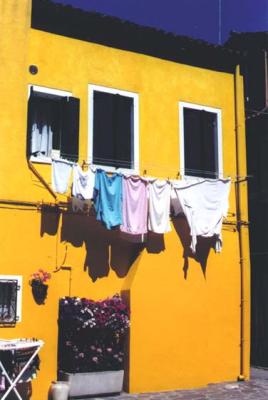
[8, 301]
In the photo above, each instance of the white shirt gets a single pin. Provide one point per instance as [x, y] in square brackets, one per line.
[83, 183]
[159, 206]
[205, 203]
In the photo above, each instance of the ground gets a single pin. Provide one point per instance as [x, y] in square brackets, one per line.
[255, 389]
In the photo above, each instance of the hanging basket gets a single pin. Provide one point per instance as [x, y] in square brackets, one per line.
[39, 291]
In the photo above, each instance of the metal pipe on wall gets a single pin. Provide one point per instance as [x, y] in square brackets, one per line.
[41, 179]
[240, 226]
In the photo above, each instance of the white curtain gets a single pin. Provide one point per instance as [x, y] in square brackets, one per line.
[41, 140]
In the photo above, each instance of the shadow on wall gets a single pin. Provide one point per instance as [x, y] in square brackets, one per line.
[203, 247]
[107, 249]
[50, 218]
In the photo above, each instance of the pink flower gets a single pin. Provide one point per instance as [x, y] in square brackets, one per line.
[40, 276]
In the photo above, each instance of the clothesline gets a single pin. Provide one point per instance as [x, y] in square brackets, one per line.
[138, 204]
[256, 113]
[114, 163]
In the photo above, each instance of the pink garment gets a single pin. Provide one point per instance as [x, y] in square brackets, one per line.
[135, 206]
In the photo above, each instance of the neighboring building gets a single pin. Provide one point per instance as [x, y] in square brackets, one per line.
[189, 316]
[255, 71]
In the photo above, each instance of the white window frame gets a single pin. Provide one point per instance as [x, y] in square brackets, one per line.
[47, 90]
[18, 278]
[135, 97]
[200, 107]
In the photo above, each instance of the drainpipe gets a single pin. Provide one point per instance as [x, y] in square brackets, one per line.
[41, 179]
[266, 77]
[242, 225]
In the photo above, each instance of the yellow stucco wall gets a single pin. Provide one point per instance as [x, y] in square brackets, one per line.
[185, 332]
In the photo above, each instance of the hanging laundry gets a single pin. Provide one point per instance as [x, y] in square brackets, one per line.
[80, 205]
[135, 205]
[61, 172]
[205, 203]
[83, 183]
[159, 206]
[175, 203]
[108, 198]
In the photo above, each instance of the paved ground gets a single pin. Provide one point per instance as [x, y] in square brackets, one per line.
[255, 389]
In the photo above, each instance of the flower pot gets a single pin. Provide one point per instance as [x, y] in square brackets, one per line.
[39, 292]
[59, 390]
[93, 383]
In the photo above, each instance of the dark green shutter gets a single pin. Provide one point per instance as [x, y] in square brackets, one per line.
[209, 144]
[29, 124]
[69, 138]
[123, 132]
[104, 128]
[200, 143]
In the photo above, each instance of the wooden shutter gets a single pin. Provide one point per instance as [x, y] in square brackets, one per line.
[200, 143]
[29, 124]
[103, 128]
[123, 132]
[192, 142]
[69, 137]
[209, 144]
[113, 130]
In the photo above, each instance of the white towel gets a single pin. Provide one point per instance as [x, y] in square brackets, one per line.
[61, 172]
[159, 206]
[205, 203]
[83, 182]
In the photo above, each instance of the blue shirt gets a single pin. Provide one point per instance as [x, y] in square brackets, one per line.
[108, 198]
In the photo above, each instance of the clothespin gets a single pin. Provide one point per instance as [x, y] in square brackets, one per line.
[84, 165]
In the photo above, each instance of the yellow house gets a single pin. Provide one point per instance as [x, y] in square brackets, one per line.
[189, 316]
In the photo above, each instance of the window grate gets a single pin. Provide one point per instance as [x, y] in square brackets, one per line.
[8, 301]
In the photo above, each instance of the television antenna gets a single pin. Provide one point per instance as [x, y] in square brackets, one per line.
[220, 20]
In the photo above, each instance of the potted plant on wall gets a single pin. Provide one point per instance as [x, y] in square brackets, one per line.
[38, 282]
[91, 344]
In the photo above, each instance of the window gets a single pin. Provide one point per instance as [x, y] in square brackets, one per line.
[113, 126]
[200, 141]
[53, 125]
[10, 299]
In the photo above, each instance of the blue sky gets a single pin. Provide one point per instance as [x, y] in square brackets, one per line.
[196, 18]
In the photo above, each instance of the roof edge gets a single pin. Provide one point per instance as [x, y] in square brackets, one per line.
[110, 31]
